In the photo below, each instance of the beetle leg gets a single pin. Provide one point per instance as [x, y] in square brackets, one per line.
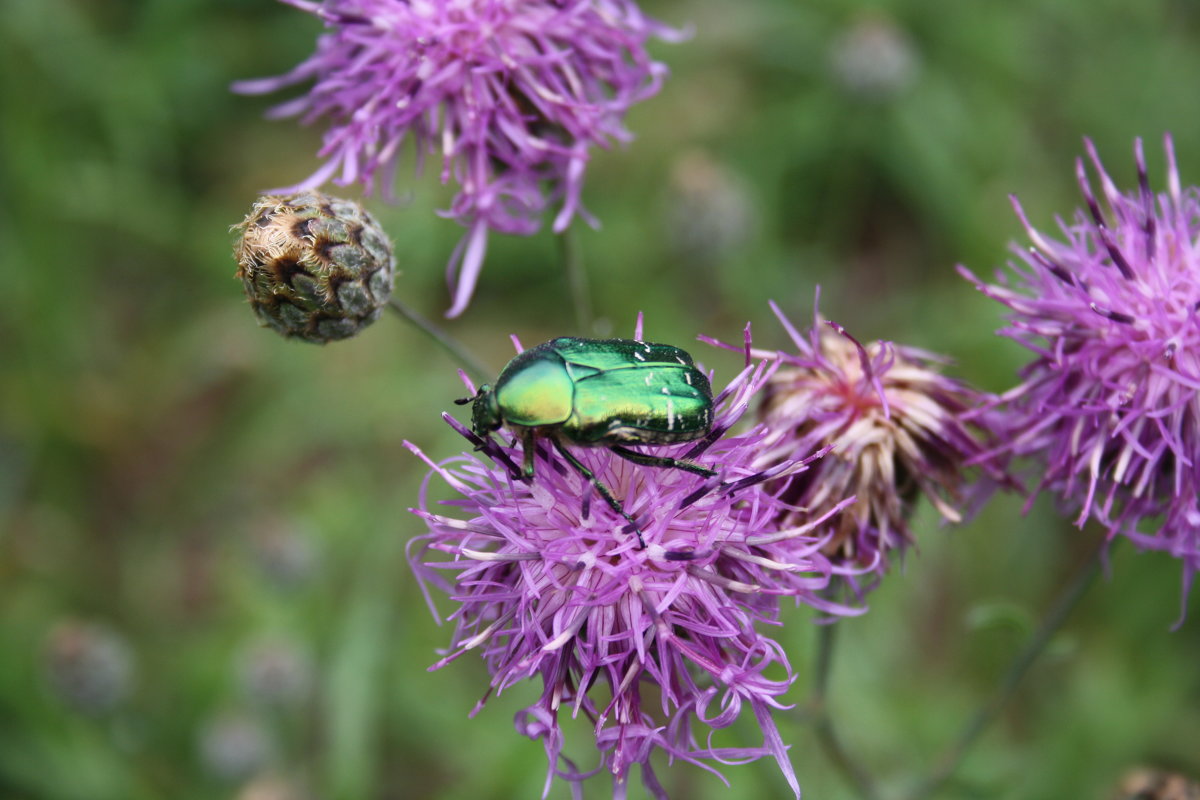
[601, 489]
[528, 447]
[660, 461]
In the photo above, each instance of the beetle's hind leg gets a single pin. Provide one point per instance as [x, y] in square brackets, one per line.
[601, 489]
[660, 461]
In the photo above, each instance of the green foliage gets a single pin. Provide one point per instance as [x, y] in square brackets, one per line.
[195, 484]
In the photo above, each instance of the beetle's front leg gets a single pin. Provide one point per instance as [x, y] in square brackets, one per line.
[528, 447]
[660, 461]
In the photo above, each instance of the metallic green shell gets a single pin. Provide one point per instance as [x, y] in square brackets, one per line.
[601, 392]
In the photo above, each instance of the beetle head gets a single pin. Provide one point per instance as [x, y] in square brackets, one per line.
[485, 412]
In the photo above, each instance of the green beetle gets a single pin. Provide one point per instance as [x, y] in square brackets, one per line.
[599, 393]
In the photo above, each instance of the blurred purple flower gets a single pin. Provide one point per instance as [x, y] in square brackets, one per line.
[549, 582]
[511, 93]
[1110, 405]
[896, 429]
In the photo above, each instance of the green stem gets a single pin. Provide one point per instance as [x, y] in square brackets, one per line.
[827, 735]
[987, 714]
[572, 256]
[445, 340]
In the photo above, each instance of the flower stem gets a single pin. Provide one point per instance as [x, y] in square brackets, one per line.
[953, 755]
[572, 256]
[452, 346]
[827, 736]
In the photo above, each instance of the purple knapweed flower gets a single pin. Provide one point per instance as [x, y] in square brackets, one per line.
[649, 644]
[510, 93]
[1110, 404]
[896, 430]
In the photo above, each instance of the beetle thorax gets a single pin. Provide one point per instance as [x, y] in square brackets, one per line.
[485, 411]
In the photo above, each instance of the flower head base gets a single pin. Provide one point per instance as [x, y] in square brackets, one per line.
[1111, 402]
[551, 583]
[895, 427]
[510, 93]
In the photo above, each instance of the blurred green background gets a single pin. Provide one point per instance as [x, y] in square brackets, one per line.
[203, 591]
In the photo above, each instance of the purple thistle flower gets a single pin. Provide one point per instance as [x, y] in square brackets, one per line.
[550, 582]
[510, 93]
[896, 431]
[1110, 404]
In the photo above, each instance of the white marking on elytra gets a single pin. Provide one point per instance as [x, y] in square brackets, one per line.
[687, 378]
[665, 390]
[638, 356]
[650, 378]
[680, 360]
[670, 415]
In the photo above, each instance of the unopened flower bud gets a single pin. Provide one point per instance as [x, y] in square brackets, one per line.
[90, 667]
[711, 214]
[274, 787]
[874, 59]
[234, 745]
[276, 672]
[315, 267]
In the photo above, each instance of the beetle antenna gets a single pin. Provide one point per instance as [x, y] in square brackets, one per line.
[462, 401]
